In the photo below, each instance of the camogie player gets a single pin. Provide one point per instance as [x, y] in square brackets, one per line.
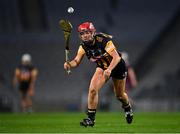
[99, 48]
[25, 77]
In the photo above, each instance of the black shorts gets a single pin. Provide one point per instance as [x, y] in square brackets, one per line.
[120, 71]
[24, 87]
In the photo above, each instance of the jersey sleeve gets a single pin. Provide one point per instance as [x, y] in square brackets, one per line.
[34, 72]
[109, 46]
[81, 50]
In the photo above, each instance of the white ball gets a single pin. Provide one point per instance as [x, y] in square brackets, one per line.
[70, 10]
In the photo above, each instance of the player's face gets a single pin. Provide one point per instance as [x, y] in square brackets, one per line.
[86, 35]
[26, 62]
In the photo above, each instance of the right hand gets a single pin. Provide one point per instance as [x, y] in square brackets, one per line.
[67, 66]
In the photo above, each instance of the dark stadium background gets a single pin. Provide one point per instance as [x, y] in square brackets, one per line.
[149, 30]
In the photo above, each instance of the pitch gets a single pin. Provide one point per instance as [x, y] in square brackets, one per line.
[105, 123]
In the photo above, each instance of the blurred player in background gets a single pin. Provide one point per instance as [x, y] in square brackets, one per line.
[99, 48]
[131, 81]
[24, 78]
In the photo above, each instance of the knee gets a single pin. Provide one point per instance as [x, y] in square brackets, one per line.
[92, 92]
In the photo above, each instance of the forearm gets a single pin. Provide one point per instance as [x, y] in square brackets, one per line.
[73, 63]
[114, 62]
[34, 75]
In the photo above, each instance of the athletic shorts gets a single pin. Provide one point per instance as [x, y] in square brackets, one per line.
[24, 87]
[120, 71]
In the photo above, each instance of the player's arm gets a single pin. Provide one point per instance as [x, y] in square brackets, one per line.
[76, 61]
[110, 48]
[132, 77]
[34, 74]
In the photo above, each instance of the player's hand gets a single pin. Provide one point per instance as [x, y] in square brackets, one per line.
[67, 66]
[107, 73]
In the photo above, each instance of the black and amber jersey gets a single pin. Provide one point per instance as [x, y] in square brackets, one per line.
[24, 73]
[98, 50]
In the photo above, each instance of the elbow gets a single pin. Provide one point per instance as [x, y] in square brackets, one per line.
[118, 59]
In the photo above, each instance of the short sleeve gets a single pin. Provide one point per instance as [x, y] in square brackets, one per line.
[81, 50]
[110, 46]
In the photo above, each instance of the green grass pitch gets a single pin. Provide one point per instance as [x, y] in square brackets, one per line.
[106, 122]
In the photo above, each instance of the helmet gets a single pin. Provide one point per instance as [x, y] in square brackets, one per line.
[26, 58]
[86, 26]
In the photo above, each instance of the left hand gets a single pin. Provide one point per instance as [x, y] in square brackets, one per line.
[107, 73]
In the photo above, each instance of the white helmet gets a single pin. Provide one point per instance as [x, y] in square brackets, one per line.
[26, 58]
